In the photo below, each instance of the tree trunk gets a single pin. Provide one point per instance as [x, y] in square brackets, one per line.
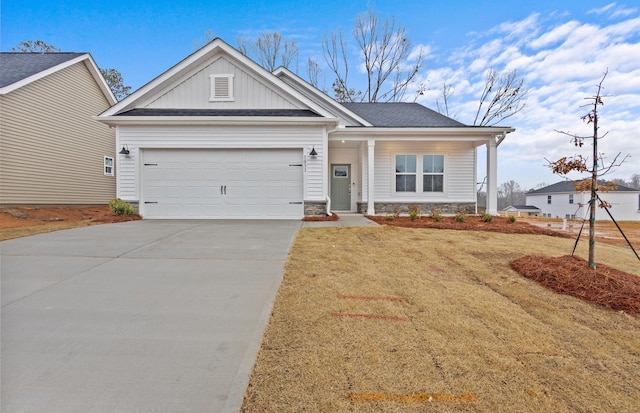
[594, 188]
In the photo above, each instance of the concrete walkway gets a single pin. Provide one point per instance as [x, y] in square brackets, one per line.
[148, 316]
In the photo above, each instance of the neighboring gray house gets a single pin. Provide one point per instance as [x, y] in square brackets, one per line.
[218, 136]
[561, 200]
[523, 210]
[52, 151]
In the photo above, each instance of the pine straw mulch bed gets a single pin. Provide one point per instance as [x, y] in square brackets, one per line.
[18, 222]
[606, 286]
[471, 223]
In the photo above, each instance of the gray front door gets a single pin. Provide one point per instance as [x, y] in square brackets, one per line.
[341, 187]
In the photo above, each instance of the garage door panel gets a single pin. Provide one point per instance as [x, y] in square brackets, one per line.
[205, 183]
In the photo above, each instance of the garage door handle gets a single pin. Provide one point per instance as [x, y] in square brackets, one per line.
[295, 203]
[150, 202]
[225, 189]
[221, 190]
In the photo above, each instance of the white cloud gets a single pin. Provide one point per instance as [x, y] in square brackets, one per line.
[561, 61]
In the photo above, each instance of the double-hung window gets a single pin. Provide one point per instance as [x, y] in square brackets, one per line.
[433, 173]
[570, 198]
[108, 166]
[406, 173]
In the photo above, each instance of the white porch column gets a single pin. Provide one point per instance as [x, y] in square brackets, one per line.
[492, 177]
[371, 144]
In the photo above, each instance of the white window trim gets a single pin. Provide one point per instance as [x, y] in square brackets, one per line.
[419, 192]
[395, 174]
[212, 89]
[423, 173]
[105, 166]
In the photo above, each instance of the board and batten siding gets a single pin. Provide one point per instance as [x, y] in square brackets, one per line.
[459, 171]
[193, 92]
[51, 150]
[211, 137]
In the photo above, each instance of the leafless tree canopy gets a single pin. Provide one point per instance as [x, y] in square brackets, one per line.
[314, 72]
[34, 46]
[503, 96]
[384, 51]
[270, 49]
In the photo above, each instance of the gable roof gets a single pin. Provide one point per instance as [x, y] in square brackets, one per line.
[18, 69]
[567, 186]
[16, 66]
[136, 99]
[523, 207]
[401, 115]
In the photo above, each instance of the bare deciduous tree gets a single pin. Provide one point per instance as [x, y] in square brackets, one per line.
[116, 83]
[503, 96]
[384, 50]
[442, 104]
[577, 163]
[34, 46]
[270, 50]
[314, 72]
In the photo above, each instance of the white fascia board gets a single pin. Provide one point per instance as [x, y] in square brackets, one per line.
[130, 101]
[102, 83]
[215, 120]
[381, 134]
[283, 71]
[43, 74]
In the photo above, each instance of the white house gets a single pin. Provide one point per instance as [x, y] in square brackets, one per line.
[218, 136]
[561, 200]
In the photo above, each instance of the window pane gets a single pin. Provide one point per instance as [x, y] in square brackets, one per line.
[406, 163]
[405, 183]
[433, 183]
[433, 163]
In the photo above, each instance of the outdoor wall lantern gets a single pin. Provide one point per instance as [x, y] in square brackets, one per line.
[125, 150]
[313, 152]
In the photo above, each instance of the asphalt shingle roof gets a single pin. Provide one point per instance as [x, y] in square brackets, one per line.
[567, 186]
[15, 67]
[218, 112]
[401, 115]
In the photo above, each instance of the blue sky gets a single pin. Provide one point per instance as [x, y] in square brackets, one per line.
[561, 48]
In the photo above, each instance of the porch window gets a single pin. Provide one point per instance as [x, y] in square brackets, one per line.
[405, 173]
[433, 173]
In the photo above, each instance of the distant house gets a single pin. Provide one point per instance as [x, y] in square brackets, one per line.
[52, 151]
[523, 210]
[561, 200]
[218, 136]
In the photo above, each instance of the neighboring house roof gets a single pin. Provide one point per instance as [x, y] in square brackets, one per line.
[19, 69]
[15, 67]
[567, 186]
[401, 115]
[523, 207]
[218, 112]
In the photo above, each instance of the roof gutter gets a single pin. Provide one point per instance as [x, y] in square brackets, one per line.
[214, 120]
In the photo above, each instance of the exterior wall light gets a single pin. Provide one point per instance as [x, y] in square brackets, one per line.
[125, 150]
[313, 152]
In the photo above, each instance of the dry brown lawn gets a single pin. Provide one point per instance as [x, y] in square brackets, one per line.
[425, 320]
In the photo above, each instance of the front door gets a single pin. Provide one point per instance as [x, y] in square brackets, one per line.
[341, 187]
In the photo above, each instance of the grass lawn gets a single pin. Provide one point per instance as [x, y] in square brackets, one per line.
[426, 320]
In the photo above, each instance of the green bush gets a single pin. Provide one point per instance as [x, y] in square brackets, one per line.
[414, 211]
[460, 216]
[486, 217]
[120, 207]
[389, 217]
[512, 218]
[436, 214]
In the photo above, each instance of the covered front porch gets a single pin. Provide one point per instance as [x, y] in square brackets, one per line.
[378, 171]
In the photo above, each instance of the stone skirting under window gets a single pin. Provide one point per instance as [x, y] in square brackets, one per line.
[315, 208]
[425, 207]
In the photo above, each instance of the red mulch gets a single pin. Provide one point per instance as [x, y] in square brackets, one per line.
[472, 223]
[606, 286]
[316, 218]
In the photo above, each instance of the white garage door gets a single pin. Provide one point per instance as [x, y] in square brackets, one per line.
[222, 183]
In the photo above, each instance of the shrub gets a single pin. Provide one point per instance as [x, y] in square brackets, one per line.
[436, 214]
[120, 207]
[512, 218]
[389, 217]
[396, 212]
[414, 211]
[486, 217]
[460, 216]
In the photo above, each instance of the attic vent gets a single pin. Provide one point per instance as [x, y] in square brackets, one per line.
[221, 88]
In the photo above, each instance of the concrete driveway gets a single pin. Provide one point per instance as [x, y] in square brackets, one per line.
[145, 316]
